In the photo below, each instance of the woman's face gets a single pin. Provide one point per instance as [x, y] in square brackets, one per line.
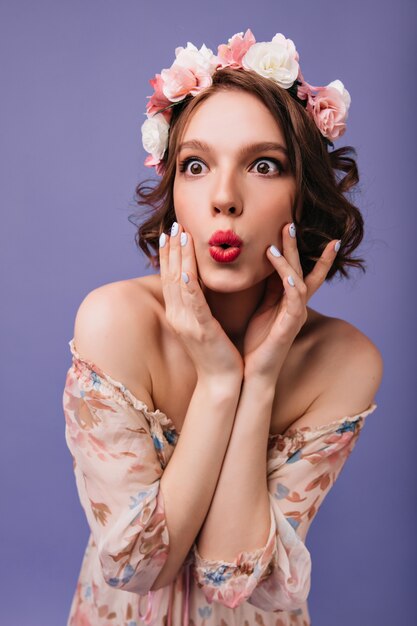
[224, 185]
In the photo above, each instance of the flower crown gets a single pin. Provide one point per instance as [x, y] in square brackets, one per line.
[278, 60]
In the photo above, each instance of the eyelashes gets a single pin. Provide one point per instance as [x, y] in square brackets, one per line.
[184, 164]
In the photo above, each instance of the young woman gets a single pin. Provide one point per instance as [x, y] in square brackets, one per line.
[208, 408]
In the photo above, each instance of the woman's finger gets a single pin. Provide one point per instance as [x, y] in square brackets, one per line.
[294, 286]
[170, 270]
[319, 272]
[164, 262]
[188, 260]
[290, 248]
[174, 267]
[191, 290]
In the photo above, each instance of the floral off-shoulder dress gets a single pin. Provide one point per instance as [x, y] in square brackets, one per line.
[120, 449]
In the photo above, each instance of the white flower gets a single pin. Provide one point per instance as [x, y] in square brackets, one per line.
[192, 58]
[337, 84]
[276, 59]
[155, 135]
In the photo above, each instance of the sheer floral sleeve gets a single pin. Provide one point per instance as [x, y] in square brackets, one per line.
[118, 471]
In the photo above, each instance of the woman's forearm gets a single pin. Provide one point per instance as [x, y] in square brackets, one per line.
[189, 480]
[239, 515]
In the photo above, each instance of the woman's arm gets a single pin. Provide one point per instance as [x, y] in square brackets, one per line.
[189, 480]
[239, 517]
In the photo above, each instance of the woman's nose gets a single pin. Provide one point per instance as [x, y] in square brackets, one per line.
[226, 197]
[229, 209]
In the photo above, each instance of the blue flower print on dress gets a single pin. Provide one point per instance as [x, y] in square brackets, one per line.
[294, 522]
[205, 612]
[346, 426]
[96, 380]
[127, 575]
[138, 499]
[281, 491]
[142, 495]
[171, 436]
[217, 576]
[294, 457]
[157, 442]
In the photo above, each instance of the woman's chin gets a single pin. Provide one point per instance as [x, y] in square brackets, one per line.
[226, 279]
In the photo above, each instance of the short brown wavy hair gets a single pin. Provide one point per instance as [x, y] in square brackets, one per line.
[321, 210]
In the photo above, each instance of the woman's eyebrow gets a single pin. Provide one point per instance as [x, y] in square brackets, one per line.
[244, 151]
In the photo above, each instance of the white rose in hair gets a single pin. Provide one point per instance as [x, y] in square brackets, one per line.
[337, 84]
[276, 59]
[155, 135]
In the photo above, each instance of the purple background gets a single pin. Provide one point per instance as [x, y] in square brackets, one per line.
[74, 86]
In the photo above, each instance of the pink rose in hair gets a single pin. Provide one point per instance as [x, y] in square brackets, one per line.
[190, 73]
[305, 90]
[178, 82]
[151, 161]
[158, 100]
[231, 54]
[330, 109]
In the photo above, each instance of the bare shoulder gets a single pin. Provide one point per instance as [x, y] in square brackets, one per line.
[350, 370]
[115, 327]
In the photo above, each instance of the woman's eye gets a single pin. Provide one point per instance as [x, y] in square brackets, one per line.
[195, 168]
[263, 166]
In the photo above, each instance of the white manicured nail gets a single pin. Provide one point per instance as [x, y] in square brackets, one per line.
[274, 251]
[183, 238]
[185, 277]
[174, 229]
[291, 281]
[162, 240]
[291, 230]
[337, 245]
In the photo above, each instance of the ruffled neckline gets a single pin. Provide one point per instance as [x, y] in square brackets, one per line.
[290, 433]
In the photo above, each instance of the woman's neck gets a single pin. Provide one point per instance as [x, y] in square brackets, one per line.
[234, 310]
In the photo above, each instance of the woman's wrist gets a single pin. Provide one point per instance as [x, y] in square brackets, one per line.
[264, 383]
[222, 385]
[264, 375]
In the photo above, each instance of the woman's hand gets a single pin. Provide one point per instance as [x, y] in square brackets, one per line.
[187, 311]
[283, 310]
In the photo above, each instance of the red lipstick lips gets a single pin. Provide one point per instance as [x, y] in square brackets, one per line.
[225, 246]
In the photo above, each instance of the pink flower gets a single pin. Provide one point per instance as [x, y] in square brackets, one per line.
[329, 108]
[158, 100]
[306, 91]
[191, 72]
[151, 161]
[180, 81]
[160, 169]
[231, 54]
